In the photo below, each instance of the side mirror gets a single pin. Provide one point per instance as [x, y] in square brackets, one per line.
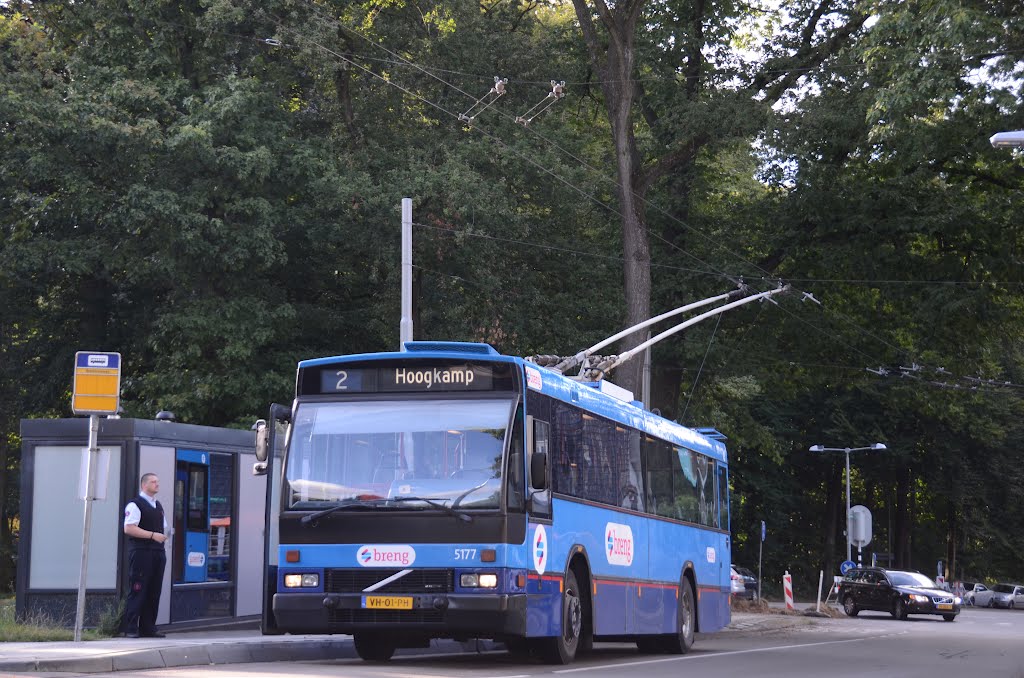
[262, 441]
[539, 470]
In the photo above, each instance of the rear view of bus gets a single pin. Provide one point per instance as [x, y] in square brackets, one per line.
[421, 497]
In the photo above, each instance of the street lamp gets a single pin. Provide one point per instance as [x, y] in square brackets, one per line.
[847, 450]
[1013, 139]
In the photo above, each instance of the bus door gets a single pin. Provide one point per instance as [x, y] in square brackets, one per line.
[191, 516]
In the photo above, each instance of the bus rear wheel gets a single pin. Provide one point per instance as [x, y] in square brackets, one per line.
[562, 648]
[682, 640]
[372, 647]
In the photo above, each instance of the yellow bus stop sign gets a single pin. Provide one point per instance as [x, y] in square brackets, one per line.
[97, 383]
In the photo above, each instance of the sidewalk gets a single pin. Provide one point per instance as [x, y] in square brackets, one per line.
[177, 649]
[198, 648]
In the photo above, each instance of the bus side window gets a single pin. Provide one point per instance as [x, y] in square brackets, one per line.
[723, 497]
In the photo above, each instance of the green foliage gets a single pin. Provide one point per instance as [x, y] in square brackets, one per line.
[212, 189]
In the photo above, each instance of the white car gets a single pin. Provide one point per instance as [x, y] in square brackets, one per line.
[972, 595]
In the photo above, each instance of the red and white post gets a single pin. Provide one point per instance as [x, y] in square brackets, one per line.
[787, 585]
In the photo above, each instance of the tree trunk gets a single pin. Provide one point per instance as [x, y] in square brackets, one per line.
[901, 543]
[6, 547]
[614, 63]
[951, 542]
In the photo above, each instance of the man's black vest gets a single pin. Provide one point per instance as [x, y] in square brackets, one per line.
[152, 520]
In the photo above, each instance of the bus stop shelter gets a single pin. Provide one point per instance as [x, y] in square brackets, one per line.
[214, 506]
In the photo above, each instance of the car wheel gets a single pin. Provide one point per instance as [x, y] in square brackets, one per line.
[850, 607]
[899, 609]
[948, 617]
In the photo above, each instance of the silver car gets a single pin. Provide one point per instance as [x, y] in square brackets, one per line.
[1018, 596]
[737, 587]
[1000, 595]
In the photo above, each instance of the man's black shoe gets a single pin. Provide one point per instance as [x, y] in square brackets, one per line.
[155, 634]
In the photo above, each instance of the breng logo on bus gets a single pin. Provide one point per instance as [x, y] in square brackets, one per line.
[376, 555]
[540, 549]
[618, 544]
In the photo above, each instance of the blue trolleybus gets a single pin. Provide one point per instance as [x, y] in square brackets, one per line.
[448, 491]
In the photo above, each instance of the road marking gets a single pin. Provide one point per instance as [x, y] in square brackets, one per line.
[730, 653]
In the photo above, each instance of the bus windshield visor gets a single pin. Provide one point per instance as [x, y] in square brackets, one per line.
[390, 453]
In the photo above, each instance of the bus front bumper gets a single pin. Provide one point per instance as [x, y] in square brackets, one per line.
[435, 615]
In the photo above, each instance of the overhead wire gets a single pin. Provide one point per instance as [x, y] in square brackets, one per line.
[599, 174]
[566, 182]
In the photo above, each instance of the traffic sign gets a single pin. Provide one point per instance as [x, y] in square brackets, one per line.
[847, 566]
[860, 526]
[97, 385]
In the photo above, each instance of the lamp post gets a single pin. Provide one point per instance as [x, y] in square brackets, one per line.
[847, 450]
[1014, 139]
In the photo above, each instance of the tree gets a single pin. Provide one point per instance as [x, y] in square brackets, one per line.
[660, 129]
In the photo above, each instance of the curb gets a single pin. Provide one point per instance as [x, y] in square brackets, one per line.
[206, 654]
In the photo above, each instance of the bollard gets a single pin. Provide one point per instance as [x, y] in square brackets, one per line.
[821, 578]
[787, 585]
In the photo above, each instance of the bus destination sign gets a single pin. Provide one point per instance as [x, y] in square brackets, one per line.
[406, 378]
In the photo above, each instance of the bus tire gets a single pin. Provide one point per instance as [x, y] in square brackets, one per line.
[372, 647]
[520, 648]
[682, 640]
[562, 648]
[649, 644]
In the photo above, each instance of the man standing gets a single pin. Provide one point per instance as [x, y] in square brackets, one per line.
[145, 526]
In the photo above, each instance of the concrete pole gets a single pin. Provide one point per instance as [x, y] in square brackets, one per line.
[405, 327]
[849, 550]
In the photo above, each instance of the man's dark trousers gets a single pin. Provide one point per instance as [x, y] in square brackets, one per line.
[145, 581]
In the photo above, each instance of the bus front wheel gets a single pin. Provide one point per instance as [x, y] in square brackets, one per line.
[562, 648]
[372, 647]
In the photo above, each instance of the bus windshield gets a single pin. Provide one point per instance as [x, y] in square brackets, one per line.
[393, 452]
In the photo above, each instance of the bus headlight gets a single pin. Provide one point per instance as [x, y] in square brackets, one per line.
[295, 581]
[472, 580]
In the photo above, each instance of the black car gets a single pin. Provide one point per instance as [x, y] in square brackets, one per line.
[749, 582]
[897, 592]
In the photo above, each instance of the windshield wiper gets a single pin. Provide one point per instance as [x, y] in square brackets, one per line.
[461, 515]
[458, 499]
[346, 504]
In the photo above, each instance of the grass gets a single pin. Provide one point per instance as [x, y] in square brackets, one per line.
[40, 628]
